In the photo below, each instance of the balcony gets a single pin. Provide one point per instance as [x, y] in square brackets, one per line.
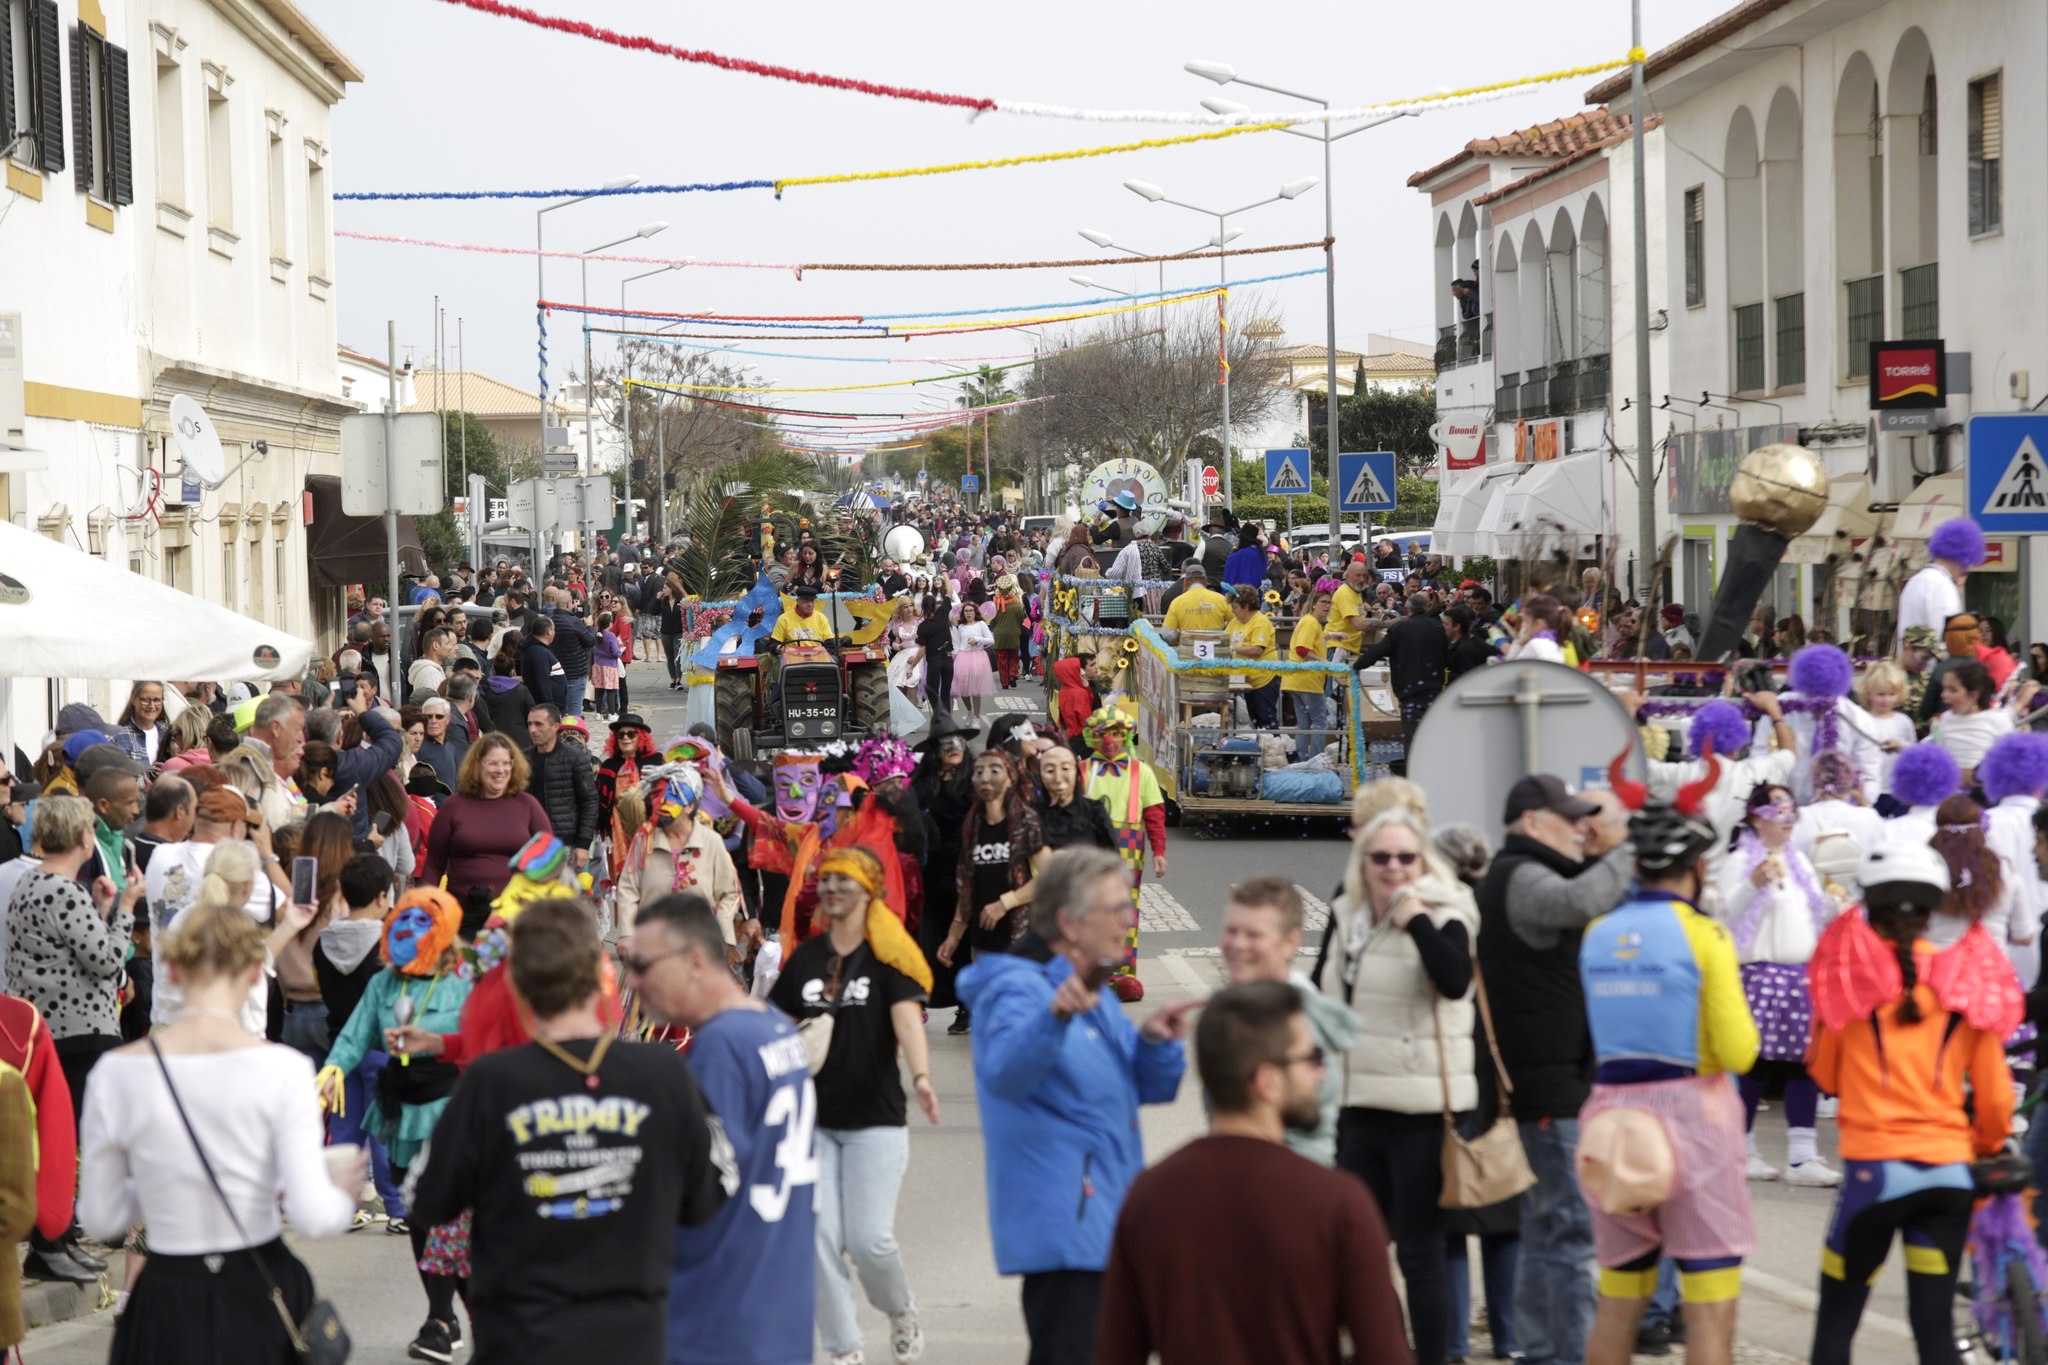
[1486, 338]
[1464, 341]
[1535, 398]
[1749, 348]
[1563, 387]
[1507, 398]
[1596, 380]
[1791, 320]
[1447, 346]
[1866, 323]
[1468, 340]
[1920, 303]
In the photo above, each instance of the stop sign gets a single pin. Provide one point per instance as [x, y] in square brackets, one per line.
[1212, 482]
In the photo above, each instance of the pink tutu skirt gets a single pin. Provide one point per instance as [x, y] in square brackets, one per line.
[972, 676]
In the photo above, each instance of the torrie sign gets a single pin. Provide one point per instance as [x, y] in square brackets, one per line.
[1907, 374]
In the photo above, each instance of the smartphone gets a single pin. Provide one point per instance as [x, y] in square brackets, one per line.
[381, 821]
[305, 881]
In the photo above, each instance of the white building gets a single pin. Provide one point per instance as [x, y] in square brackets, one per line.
[1535, 227]
[166, 230]
[1836, 170]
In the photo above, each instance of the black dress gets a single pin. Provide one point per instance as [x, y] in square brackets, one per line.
[945, 802]
[1080, 823]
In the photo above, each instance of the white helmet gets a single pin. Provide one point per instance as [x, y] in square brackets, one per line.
[1904, 876]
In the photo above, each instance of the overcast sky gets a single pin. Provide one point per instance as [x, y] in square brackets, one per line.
[458, 99]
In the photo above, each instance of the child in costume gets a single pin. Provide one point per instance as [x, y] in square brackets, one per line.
[1129, 790]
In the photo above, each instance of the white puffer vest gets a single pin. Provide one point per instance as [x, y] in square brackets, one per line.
[1393, 1065]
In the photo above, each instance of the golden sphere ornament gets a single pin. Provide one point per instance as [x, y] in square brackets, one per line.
[1782, 488]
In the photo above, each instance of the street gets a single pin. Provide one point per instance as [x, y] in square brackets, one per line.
[970, 1314]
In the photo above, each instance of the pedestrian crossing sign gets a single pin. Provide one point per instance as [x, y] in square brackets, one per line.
[2008, 476]
[1365, 481]
[1286, 473]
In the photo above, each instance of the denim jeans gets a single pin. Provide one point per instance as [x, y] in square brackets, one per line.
[305, 1029]
[1315, 713]
[1663, 1309]
[347, 1126]
[860, 1171]
[1263, 705]
[1554, 1281]
[577, 687]
[1498, 1253]
[672, 652]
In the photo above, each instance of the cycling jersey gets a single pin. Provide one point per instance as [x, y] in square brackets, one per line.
[1663, 994]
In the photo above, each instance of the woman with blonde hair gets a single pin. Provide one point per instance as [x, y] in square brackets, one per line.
[1400, 956]
[197, 1131]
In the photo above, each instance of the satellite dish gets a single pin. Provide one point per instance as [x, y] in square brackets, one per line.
[904, 544]
[198, 442]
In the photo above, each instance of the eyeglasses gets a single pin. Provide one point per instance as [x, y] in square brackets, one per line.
[1314, 1057]
[1381, 857]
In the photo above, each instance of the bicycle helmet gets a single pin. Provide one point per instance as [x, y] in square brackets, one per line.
[1669, 835]
[1910, 878]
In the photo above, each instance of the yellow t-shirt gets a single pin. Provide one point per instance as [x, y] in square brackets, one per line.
[789, 626]
[1199, 608]
[1308, 635]
[1256, 633]
[1345, 603]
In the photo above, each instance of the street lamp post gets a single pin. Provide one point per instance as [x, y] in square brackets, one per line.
[660, 520]
[540, 269]
[1293, 189]
[589, 379]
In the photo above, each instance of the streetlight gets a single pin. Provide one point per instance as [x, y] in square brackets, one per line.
[590, 380]
[1108, 243]
[1293, 189]
[1086, 282]
[540, 268]
[1223, 73]
[660, 454]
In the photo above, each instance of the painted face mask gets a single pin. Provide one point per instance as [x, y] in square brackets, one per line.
[419, 929]
[797, 781]
[402, 939]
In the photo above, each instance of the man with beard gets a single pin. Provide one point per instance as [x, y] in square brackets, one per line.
[1187, 1220]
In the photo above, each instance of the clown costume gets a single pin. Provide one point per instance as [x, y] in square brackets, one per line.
[1129, 790]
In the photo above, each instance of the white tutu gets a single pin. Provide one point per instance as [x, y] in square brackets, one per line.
[906, 670]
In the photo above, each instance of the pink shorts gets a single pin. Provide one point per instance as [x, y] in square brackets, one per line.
[1707, 1216]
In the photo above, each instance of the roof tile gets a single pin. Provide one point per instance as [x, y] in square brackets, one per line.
[1557, 138]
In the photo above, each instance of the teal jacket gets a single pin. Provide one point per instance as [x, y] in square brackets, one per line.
[437, 1008]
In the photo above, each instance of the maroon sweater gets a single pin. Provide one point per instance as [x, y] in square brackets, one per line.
[472, 840]
[1235, 1251]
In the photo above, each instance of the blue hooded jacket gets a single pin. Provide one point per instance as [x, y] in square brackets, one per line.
[1059, 1111]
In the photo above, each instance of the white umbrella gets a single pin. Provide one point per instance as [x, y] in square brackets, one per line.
[67, 614]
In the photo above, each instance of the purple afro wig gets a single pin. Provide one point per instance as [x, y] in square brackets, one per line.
[1835, 775]
[1925, 775]
[1821, 671]
[2016, 765]
[1722, 722]
[1961, 540]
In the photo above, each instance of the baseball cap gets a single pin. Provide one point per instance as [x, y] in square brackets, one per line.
[1544, 791]
[1625, 1161]
[1920, 637]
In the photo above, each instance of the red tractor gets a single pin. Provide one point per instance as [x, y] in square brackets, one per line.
[827, 694]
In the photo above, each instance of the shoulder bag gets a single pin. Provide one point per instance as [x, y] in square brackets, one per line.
[320, 1339]
[1491, 1167]
[816, 1031]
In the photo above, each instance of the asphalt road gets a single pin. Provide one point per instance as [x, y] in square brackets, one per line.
[970, 1313]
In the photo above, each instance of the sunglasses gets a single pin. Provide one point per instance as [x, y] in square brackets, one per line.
[1314, 1057]
[1381, 857]
[643, 965]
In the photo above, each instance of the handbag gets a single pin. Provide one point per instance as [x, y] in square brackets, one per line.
[1491, 1167]
[320, 1339]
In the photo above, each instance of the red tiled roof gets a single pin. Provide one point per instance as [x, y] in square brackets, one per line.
[1714, 31]
[1559, 137]
[1570, 159]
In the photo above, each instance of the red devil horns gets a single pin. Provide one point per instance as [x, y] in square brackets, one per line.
[1632, 794]
[1694, 794]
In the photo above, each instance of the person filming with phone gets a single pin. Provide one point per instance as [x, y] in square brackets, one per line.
[1059, 1072]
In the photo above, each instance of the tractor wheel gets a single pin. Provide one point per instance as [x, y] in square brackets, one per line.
[734, 700]
[867, 687]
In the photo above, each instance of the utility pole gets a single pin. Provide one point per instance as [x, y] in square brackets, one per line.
[1646, 465]
[391, 468]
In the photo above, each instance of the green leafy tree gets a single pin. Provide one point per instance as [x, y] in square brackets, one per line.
[1382, 419]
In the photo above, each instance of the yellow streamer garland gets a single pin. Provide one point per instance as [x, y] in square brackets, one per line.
[997, 163]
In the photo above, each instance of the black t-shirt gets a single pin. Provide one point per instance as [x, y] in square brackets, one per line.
[577, 1193]
[1080, 822]
[935, 634]
[990, 859]
[859, 1086]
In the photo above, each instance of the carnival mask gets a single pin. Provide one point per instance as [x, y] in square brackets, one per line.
[797, 780]
[1778, 812]
[402, 937]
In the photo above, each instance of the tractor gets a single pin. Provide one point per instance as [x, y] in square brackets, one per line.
[828, 693]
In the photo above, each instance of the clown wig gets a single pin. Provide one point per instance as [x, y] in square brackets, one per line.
[1721, 722]
[1924, 775]
[2015, 765]
[1105, 718]
[437, 939]
[1820, 671]
[1960, 540]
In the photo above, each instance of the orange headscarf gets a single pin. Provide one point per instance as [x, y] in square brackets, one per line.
[891, 942]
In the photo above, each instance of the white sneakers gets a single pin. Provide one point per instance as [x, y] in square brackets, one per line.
[906, 1338]
[1759, 1169]
[1812, 1173]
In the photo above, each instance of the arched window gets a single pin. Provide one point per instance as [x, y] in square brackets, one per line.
[1446, 305]
[1507, 307]
[1561, 295]
[1594, 336]
[1743, 236]
[1859, 214]
[1785, 240]
[1532, 321]
[1910, 128]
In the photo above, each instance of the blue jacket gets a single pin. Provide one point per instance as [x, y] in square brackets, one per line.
[1059, 1111]
[362, 767]
[574, 639]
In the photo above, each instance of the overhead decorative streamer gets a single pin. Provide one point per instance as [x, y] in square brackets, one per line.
[1026, 357]
[1222, 343]
[980, 104]
[798, 268]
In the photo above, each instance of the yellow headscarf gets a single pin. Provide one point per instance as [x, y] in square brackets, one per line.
[891, 942]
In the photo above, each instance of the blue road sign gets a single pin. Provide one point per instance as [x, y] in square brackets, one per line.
[970, 483]
[2008, 480]
[922, 476]
[1365, 481]
[1286, 473]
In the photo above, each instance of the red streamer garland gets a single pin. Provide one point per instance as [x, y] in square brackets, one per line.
[633, 43]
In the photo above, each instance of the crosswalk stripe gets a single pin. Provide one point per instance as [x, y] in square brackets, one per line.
[1160, 911]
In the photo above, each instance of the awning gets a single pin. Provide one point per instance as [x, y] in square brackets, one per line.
[341, 549]
[1845, 520]
[1503, 510]
[1458, 506]
[1564, 496]
[1944, 498]
[68, 614]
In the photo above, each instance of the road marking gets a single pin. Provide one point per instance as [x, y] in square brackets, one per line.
[1160, 911]
[1186, 976]
[1800, 1297]
[1026, 704]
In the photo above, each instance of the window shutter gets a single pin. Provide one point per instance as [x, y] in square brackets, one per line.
[49, 85]
[81, 109]
[1992, 122]
[6, 76]
[119, 154]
